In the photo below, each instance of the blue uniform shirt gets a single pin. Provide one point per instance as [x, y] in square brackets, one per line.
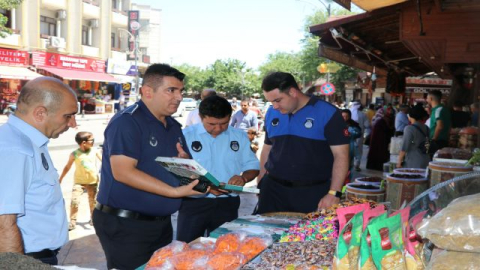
[137, 134]
[244, 121]
[301, 142]
[224, 156]
[30, 187]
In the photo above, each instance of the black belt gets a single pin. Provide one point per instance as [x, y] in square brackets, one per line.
[46, 253]
[293, 184]
[127, 213]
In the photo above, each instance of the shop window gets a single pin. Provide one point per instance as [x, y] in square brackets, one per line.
[113, 40]
[48, 26]
[8, 14]
[84, 35]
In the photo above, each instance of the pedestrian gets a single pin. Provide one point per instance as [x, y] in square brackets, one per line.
[193, 117]
[225, 153]
[86, 174]
[252, 137]
[401, 120]
[411, 154]
[304, 160]
[33, 219]
[355, 132]
[440, 120]
[137, 196]
[383, 130]
[361, 118]
[244, 118]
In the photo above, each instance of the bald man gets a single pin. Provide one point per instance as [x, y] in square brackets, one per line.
[194, 117]
[32, 212]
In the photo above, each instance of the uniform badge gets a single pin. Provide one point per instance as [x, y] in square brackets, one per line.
[197, 146]
[308, 123]
[234, 146]
[153, 141]
[45, 162]
[275, 122]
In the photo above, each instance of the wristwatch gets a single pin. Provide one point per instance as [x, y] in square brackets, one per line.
[335, 193]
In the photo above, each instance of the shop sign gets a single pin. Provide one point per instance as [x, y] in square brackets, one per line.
[67, 62]
[431, 81]
[118, 66]
[14, 57]
[425, 90]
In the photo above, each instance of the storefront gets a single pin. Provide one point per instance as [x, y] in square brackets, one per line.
[13, 75]
[417, 89]
[85, 75]
[124, 90]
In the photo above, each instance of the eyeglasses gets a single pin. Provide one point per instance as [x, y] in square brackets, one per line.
[92, 141]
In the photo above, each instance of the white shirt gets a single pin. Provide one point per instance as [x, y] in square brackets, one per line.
[193, 118]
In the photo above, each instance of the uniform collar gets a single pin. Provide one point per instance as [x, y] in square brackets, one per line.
[38, 138]
[201, 130]
[170, 121]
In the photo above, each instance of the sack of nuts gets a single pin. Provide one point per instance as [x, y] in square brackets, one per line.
[387, 244]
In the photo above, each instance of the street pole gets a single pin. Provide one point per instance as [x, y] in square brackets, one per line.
[137, 79]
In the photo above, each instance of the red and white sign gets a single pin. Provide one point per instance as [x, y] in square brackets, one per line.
[327, 89]
[67, 62]
[431, 81]
[14, 58]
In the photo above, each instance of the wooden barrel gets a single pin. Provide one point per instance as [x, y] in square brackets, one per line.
[404, 188]
[440, 171]
[365, 191]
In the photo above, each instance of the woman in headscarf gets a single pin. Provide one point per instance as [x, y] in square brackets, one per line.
[382, 132]
[355, 132]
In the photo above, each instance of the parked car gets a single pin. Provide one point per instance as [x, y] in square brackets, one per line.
[189, 103]
[180, 111]
[266, 107]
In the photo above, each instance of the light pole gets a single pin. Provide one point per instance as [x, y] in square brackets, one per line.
[135, 50]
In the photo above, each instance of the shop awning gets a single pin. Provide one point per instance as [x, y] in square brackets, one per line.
[68, 74]
[18, 73]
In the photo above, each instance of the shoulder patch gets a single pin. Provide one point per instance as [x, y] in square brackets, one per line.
[131, 109]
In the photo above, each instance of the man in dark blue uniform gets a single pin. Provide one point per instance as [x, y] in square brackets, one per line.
[304, 160]
[137, 195]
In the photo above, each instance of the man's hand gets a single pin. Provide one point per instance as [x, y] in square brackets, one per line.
[328, 201]
[237, 180]
[218, 191]
[187, 190]
[181, 152]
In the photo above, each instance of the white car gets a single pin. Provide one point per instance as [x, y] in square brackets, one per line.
[190, 104]
[181, 111]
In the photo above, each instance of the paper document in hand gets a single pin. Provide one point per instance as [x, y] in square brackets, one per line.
[189, 168]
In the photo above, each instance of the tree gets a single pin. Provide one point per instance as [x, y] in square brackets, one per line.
[195, 78]
[282, 61]
[8, 5]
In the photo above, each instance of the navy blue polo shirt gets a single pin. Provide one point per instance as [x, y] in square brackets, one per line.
[301, 142]
[136, 133]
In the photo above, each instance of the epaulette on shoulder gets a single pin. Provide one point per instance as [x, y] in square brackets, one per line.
[131, 109]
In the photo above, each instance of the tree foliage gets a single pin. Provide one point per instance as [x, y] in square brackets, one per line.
[8, 5]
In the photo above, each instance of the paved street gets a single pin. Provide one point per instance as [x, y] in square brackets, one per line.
[84, 249]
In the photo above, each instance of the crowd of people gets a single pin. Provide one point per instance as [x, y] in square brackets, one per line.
[309, 148]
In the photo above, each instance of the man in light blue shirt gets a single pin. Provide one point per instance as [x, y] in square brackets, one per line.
[401, 120]
[225, 152]
[32, 210]
[244, 118]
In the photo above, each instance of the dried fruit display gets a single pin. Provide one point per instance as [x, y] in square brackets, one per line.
[188, 259]
[227, 261]
[252, 246]
[161, 255]
[228, 243]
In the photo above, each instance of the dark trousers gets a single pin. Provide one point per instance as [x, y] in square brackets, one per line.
[275, 197]
[204, 214]
[129, 243]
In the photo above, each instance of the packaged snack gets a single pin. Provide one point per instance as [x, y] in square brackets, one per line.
[229, 242]
[188, 259]
[348, 246]
[452, 260]
[346, 213]
[158, 258]
[413, 246]
[366, 260]
[387, 244]
[207, 245]
[226, 261]
[456, 227]
[369, 214]
[252, 246]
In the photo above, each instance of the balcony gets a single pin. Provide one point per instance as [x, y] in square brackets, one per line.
[90, 51]
[54, 4]
[91, 10]
[12, 39]
[119, 19]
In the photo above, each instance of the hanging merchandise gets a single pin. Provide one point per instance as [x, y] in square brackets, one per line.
[396, 82]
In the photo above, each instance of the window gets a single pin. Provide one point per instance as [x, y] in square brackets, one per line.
[84, 35]
[48, 26]
[143, 50]
[113, 40]
[116, 4]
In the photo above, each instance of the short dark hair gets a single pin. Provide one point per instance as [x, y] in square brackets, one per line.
[371, 106]
[347, 111]
[436, 94]
[154, 75]
[215, 106]
[281, 80]
[82, 136]
[417, 112]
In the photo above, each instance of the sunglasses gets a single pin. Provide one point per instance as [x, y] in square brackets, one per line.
[92, 141]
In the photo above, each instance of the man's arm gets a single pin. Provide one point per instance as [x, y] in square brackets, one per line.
[339, 173]
[11, 240]
[438, 129]
[255, 122]
[263, 159]
[241, 180]
[125, 170]
[70, 161]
